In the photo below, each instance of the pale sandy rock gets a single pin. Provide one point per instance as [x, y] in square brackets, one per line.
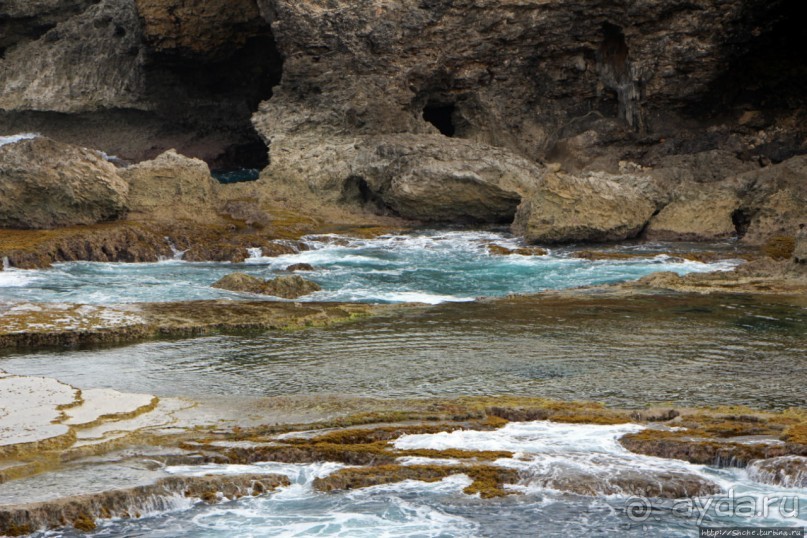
[592, 208]
[46, 184]
[31, 410]
[106, 404]
[705, 216]
[169, 187]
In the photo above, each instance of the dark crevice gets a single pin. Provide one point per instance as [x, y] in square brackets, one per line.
[613, 64]
[442, 117]
[768, 72]
[356, 191]
[764, 82]
[218, 97]
[742, 220]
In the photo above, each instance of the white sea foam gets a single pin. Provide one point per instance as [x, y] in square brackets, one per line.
[12, 278]
[11, 139]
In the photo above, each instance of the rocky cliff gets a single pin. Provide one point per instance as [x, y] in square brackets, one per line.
[436, 110]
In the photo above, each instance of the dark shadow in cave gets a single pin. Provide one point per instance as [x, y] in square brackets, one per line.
[442, 117]
[215, 97]
[767, 74]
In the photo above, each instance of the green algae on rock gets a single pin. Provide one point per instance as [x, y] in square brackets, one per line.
[287, 287]
[32, 325]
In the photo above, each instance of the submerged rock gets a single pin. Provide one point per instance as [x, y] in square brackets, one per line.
[498, 250]
[596, 208]
[300, 267]
[46, 184]
[287, 287]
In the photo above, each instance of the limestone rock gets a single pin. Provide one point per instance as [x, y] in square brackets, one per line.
[593, 208]
[498, 250]
[81, 511]
[785, 471]
[300, 267]
[241, 282]
[46, 184]
[169, 187]
[800, 252]
[290, 287]
[426, 177]
[708, 216]
[287, 287]
[774, 200]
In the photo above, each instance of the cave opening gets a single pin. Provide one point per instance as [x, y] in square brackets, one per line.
[442, 117]
[357, 191]
[210, 99]
[741, 218]
[766, 78]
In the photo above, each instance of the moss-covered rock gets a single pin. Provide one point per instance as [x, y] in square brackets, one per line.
[287, 287]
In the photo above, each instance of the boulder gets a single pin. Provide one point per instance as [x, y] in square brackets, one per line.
[290, 287]
[300, 267]
[704, 216]
[774, 200]
[46, 184]
[287, 287]
[169, 187]
[591, 208]
[240, 282]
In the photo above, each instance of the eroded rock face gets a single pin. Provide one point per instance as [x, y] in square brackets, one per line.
[705, 216]
[46, 184]
[594, 208]
[800, 252]
[774, 201]
[287, 287]
[786, 471]
[171, 186]
[135, 78]
[421, 177]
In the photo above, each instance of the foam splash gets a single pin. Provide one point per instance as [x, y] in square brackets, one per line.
[12, 139]
[427, 267]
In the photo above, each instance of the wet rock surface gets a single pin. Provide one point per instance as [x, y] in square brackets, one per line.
[30, 325]
[287, 287]
[81, 512]
[785, 471]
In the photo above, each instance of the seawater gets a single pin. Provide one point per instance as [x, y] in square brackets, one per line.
[441, 509]
[429, 267]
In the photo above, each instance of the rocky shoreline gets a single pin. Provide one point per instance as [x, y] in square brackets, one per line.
[123, 123]
[772, 444]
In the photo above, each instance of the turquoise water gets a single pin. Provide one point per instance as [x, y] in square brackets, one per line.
[429, 267]
[545, 451]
